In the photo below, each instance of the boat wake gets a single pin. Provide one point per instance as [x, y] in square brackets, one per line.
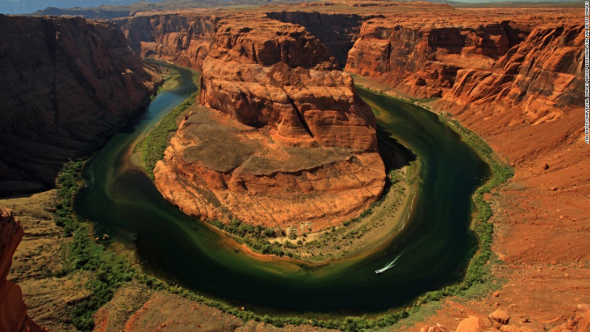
[390, 265]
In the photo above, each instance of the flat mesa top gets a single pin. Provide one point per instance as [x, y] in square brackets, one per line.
[222, 144]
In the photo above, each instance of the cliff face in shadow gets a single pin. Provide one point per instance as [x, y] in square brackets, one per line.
[337, 31]
[67, 85]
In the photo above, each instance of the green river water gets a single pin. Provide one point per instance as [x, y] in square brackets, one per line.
[431, 251]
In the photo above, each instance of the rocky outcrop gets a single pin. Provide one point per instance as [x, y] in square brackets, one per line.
[181, 39]
[13, 312]
[423, 61]
[470, 324]
[513, 73]
[524, 94]
[217, 168]
[337, 31]
[67, 85]
[541, 77]
[499, 320]
[524, 99]
[299, 144]
[279, 76]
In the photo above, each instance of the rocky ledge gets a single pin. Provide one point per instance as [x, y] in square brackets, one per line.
[296, 144]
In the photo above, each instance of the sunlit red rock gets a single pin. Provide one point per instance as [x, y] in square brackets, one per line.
[13, 312]
[301, 136]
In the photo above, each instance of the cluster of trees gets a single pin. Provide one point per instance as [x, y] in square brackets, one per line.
[83, 254]
[256, 237]
[66, 189]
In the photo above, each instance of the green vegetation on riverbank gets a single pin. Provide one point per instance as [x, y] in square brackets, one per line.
[155, 143]
[105, 270]
[501, 173]
[478, 279]
[109, 272]
[255, 237]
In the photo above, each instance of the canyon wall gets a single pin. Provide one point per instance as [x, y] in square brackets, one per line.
[296, 143]
[13, 312]
[423, 61]
[181, 39]
[336, 31]
[540, 77]
[514, 74]
[518, 83]
[67, 85]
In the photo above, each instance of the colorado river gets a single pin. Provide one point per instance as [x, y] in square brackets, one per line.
[120, 200]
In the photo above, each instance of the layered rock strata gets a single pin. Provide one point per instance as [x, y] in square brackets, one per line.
[490, 67]
[540, 77]
[299, 144]
[67, 85]
[510, 85]
[278, 75]
[183, 39]
[13, 312]
[524, 99]
[336, 31]
[424, 61]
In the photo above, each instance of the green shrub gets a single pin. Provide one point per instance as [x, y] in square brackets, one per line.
[154, 145]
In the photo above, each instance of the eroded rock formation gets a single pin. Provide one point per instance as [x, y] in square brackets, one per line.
[278, 75]
[541, 77]
[181, 39]
[337, 31]
[423, 61]
[300, 145]
[509, 82]
[13, 312]
[67, 84]
[526, 73]
[524, 99]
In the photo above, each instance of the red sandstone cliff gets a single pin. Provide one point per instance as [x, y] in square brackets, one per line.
[67, 84]
[423, 60]
[496, 78]
[540, 77]
[300, 145]
[337, 31]
[503, 66]
[278, 75]
[183, 39]
[13, 312]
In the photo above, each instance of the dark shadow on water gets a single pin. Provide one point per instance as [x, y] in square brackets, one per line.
[393, 153]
